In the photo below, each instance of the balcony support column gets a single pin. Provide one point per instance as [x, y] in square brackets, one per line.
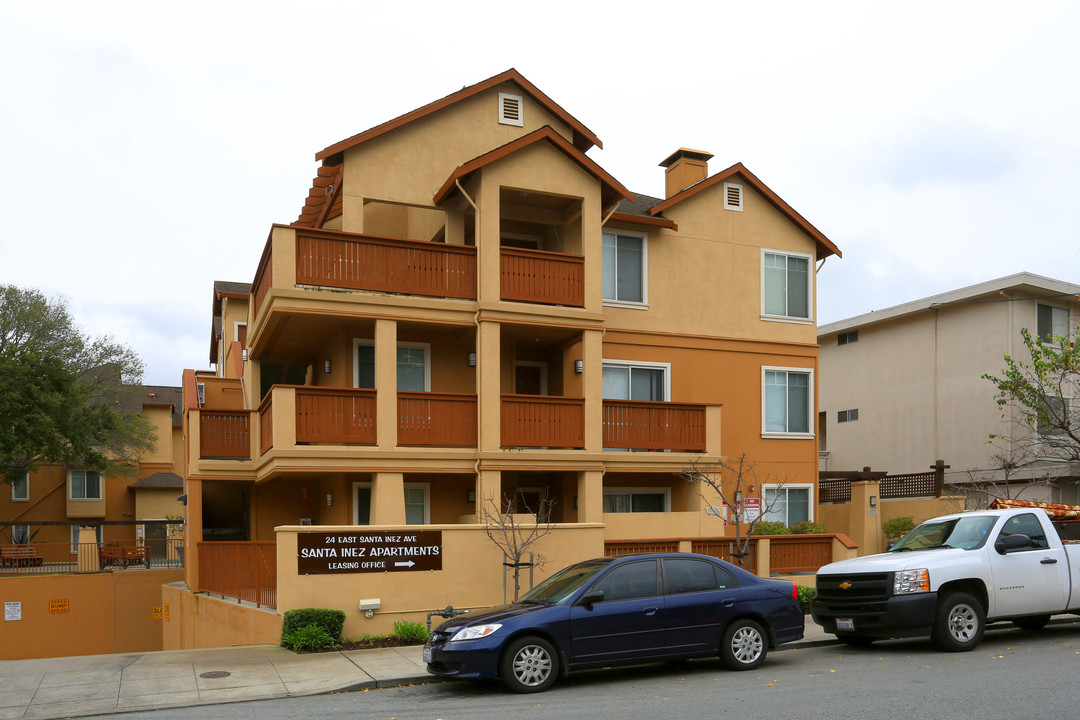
[388, 499]
[489, 385]
[593, 389]
[386, 405]
[488, 253]
[590, 496]
[712, 431]
[283, 407]
[488, 489]
[193, 531]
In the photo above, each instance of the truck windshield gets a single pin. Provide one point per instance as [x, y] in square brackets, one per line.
[964, 532]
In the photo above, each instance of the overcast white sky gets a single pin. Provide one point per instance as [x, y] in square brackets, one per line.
[146, 148]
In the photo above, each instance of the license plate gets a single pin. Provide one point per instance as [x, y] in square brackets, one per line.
[427, 654]
[845, 624]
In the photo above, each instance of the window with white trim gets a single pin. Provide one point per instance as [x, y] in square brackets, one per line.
[624, 380]
[788, 504]
[417, 503]
[786, 401]
[84, 485]
[847, 415]
[1052, 321]
[20, 534]
[20, 489]
[625, 263]
[635, 500]
[413, 365]
[785, 285]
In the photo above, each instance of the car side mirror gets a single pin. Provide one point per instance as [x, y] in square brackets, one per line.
[593, 596]
[1007, 543]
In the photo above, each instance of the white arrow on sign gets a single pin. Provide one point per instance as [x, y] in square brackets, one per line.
[410, 563]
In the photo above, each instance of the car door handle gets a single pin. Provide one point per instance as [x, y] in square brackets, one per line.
[1048, 561]
[728, 603]
[650, 610]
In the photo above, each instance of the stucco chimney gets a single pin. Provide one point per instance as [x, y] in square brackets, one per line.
[684, 168]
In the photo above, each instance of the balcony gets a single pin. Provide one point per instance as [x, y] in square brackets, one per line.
[536, 276]
[654, 426]
[542, 421]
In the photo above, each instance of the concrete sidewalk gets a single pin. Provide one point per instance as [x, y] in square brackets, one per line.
[102, 684]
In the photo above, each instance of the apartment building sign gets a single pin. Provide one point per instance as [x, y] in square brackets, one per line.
[323, 553]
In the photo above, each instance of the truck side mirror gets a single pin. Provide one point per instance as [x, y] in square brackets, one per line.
[1007, 543]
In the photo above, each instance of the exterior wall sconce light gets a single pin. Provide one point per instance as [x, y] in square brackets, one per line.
[472, 359]
[243, 353]
[873, 501]
[579, 366]
[326, 366]
[470, 496]
[329, 499]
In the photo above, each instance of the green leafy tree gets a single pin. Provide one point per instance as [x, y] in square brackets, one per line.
[65, 397]
[1039, 395]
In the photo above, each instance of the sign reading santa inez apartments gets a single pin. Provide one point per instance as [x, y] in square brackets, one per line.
[360, 552]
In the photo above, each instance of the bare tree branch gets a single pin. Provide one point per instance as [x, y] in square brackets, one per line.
[515, 535]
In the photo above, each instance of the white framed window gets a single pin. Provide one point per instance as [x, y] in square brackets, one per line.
[625, 261]
[635, 380]
[786, 401]
[239, 331]
[845, 338]
[1052, 321]
[785, 285]
[413, 365]
[75, 537]
[788, 504]
[733, 196]
[20, 534]
[84, 485]
[635, 500]
[511, 110]
[844, 416]
[417, 503]
[20, 489]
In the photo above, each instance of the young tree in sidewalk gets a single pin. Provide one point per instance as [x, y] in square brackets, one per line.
[516, 535]
[732, 482]
[65, 397]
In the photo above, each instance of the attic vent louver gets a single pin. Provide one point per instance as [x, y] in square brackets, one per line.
[510, 110]
[733, 196]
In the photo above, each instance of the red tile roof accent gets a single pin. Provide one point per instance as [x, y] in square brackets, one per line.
[318, 204]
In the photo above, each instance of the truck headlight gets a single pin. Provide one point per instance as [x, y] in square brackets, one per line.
[475, 632]
[911, 581]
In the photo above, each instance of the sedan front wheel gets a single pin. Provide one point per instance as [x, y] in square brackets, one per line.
[529, 664]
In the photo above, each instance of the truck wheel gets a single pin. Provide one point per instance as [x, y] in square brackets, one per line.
[529, 665]
[856, 640]
[1031, 622]
[960, 623]
[744, 645]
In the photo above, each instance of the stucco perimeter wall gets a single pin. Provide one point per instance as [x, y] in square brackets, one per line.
[471, 577]
[106, 613]
[845, 518]
[199, 621]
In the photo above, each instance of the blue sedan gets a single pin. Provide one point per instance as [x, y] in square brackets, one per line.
[629, 609]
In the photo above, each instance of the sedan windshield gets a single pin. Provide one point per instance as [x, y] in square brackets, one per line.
[964, 532]
[563, 584]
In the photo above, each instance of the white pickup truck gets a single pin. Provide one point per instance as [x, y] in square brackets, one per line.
[951, 574]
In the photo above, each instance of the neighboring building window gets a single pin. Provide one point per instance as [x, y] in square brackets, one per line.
[413, 366]
[20, 489]
[1053, 321]
[786, 285]
[20, 534]
[847, 337]
[75, 537]
[635, 500]
[84, 485]
[624, 268]
[787, 393]
[1051, 415]
[847, 415]
[632, 381]
[788, 504]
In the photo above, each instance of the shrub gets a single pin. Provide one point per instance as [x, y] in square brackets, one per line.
[768, 527]
[410, 632]
[897, 527]
[808, 528]
[806, 594]
[309, 637]
[331, 621]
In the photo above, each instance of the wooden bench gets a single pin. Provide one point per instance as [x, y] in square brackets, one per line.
[137, 555]
[20, 556]
[112, 555]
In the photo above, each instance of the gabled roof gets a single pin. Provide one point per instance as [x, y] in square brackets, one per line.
[224, 289]
[611, 189]
[824, 245]
[636, 210]
[584, 138]
[159, 480]
[1037, 285]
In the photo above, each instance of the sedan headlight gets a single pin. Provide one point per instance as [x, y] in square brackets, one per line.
[475, 632]
[911, 581]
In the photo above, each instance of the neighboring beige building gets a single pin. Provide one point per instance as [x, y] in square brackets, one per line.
[903, 387]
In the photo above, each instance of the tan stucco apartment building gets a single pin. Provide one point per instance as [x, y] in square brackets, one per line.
[903, 387]
[470, 310]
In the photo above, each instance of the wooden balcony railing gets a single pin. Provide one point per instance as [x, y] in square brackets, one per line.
[266, 424]
[361, 262]
[263, 277]
[543, 421]
[536, 276]
[799, 553]
[436, 419]
[225, 434]
[240, 570]
[335, 415]
[654, 425]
